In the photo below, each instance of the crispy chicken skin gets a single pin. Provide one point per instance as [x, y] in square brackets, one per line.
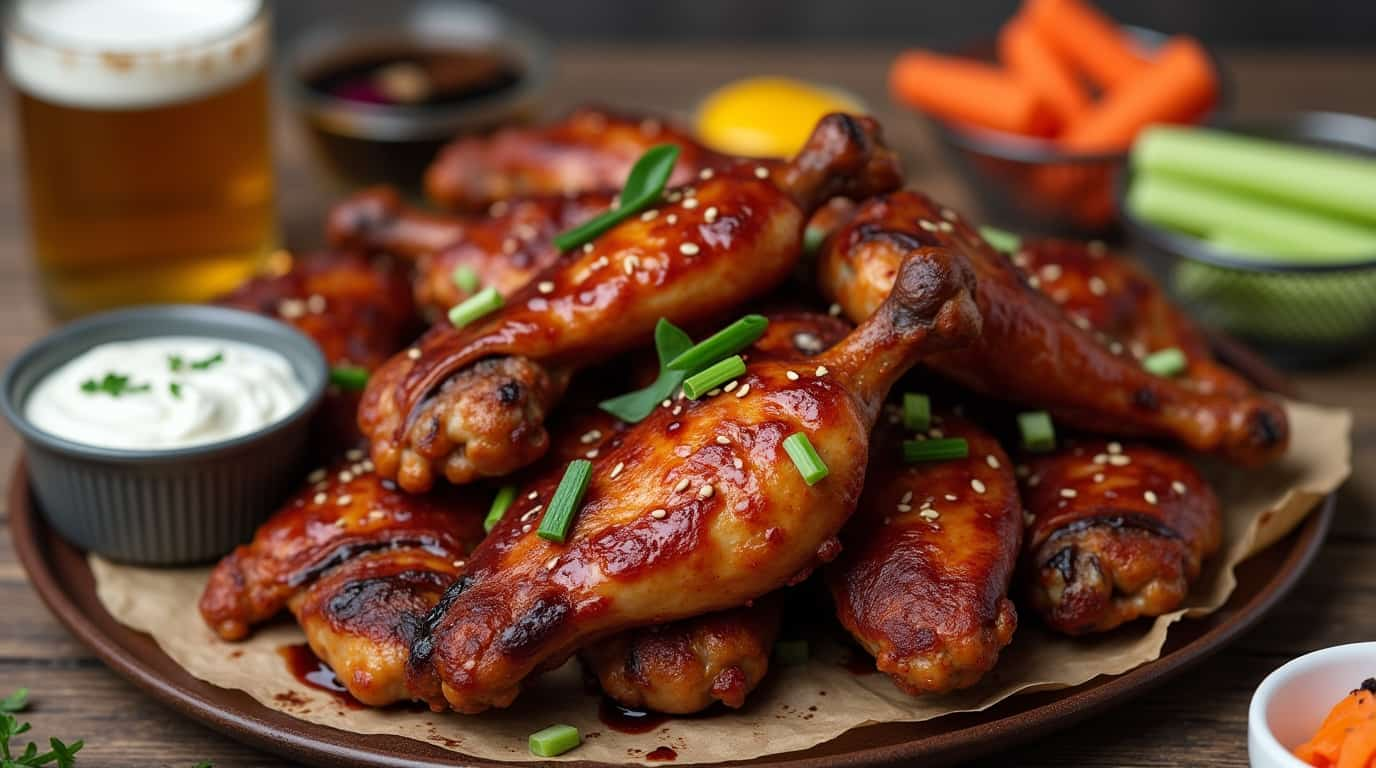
[591, 149]
[922, 581]
[505, 248]
[1032, 352]
[338, 515]
[1115, 532]
[471, 403]
[703, 505]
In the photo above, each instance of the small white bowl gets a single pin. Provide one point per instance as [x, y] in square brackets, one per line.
[1292, 702]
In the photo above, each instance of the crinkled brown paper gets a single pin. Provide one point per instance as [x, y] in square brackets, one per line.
[1259, 507]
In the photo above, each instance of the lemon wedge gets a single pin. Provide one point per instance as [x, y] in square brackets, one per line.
[767, 116]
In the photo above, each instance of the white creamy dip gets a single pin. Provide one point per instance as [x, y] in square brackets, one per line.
[165, 392]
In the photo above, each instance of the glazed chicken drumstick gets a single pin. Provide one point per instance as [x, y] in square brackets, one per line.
[591, 149]
[470, 403]
[922, 581]
[1031, 351]
[695, 511]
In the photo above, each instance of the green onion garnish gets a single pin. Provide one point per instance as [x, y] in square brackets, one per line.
[114, 385]
[466, 278]
[1038, 433]
[642, 188]
[1166, 362]
[349, 378]
[805, 458]
[714, 375]
[728, 341]
[504, 497]
[917, 411]
[1001, 240]
[564, 505]
[554, 740]
[175, 389]
[942, 449]
[791, 653]
[480, 304]
[670, 342]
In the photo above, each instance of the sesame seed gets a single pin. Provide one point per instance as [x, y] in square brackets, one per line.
[1051, 272]
[834, 310]
[930, 226]
[1115, 447]
[929, 514]
[319, 498]
[1101, 458]
[344, 500]
[1069, 493]
[945, 226]
[677, 410]
[730, 385]
[591, 436]
[904, 507]
[659, 514]
[346, 476]
[743, 391]
[792, 375]
[545, 286]
[689, 249]
[601, 262]
[316, 476]
[723, 440]
[616, 470]
[1150, 496]
[761, 172]
[1115, 347]
[948, 214]
[587, 247]
[1034, 481]
[1097, 286]
[737, 462]
[674, 196]
[630, 263]
[690, 203]
[705, 491]
[682, 484]
[341, 523]
[291, 308]
[1098, 477]
[533, 495]
[1178, 487]
[822, 370]
[1033, 281]
[315, 303]
[705, 174]
[907, 497]
[713, 392]
[951, 497]
[592, 454]
[550, 563]
[977, 484]
[525, 528]
[992, 461]
[459, 563]
[1119, 460]
[413, 353]
[667, 402]
[469, 664]
[710, 215]
[649, 215]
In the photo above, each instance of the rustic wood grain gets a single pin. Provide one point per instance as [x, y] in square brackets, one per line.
[1198, 720]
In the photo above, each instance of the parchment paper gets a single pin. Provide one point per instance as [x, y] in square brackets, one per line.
[798, 707]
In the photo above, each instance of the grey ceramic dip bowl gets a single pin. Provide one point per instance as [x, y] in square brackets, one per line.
[163, 507]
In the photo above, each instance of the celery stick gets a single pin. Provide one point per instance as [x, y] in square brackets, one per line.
[1329, 182]
[1297, 237]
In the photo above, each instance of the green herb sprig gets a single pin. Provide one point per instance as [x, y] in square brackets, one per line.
[60, 754]
[643, 186]
[114, 385]
[670, 342]
[177, 363]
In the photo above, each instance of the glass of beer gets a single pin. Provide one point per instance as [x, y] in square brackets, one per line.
[146, 146]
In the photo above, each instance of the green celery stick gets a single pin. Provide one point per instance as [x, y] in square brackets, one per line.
[1325, 181]
[1300, 237]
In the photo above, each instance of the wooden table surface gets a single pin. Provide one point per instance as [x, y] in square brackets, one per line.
[1197, 720]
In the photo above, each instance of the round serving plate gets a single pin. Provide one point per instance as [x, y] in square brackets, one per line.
[62, 578]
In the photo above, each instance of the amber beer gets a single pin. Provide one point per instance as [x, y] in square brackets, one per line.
[146, 146]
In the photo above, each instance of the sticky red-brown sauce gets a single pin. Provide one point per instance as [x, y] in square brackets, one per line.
[661, 754]
[626, 720]
[310, 671]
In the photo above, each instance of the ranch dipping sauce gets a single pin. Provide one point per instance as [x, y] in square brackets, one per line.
[165, 392]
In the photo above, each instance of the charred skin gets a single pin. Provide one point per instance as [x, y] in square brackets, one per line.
[704, 250]
[591, 149]
[505, 248]
[1031, 351]
[703, 504]
[338, 515]
[922, 581]
[1115, 533]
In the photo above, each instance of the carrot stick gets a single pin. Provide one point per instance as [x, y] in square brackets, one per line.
[1178, 87]
[1347, 737]
[968, 92]
[1029, 57]
[1087, 38]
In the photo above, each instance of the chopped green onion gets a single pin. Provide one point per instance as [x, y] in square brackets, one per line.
[349, 378]
[1166, 362]
[917, 411]
[714, 375]
[642, 188]
[632, 407]
[175, 389]
[504, 497]
[1038, 433]
[728, 341]
[942, 449]
[1001, 240]
[558, 519]
[554, 740]
[791, 653]
[466, 278]
[202, 365]
[480, 304]
[114, 385]
[805, 458]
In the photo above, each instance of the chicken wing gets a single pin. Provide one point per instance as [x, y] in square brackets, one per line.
[1114, 532]
[591, 149]
[922, 581]
[505, 249]
[1032, 352]
[697, 509]
[470, 403]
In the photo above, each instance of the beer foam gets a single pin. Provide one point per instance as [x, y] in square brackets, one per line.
[128, 54]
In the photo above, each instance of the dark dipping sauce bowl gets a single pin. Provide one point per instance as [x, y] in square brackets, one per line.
[461, 68]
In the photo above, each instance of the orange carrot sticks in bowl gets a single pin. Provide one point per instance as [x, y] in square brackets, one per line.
[969, 92]
[1088, 39]
[1347, 738]
[1031, 59]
